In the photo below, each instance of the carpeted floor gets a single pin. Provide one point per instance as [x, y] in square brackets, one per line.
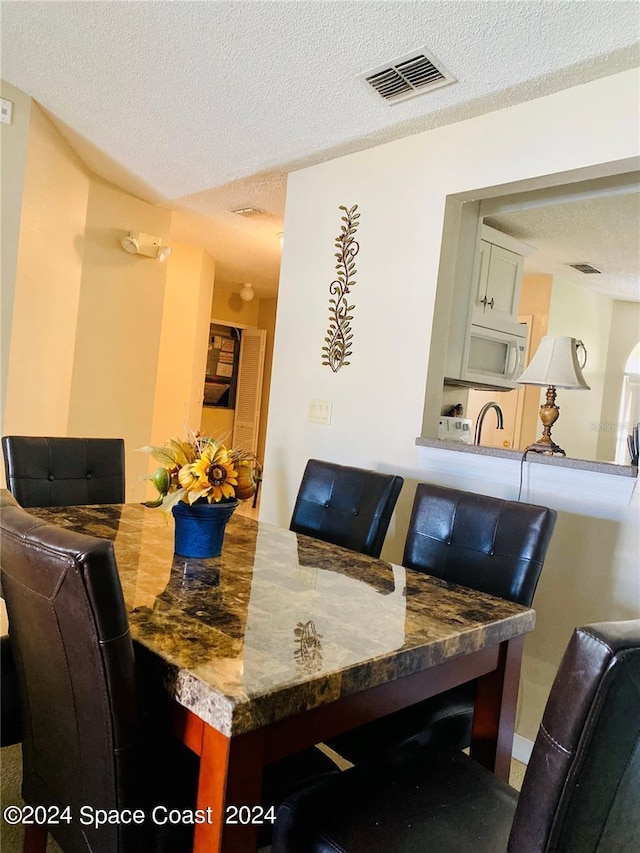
[11, 774]
[11, 837]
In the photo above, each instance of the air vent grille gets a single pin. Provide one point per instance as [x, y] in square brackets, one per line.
[587, 269]
[408, 76]
[248, 211]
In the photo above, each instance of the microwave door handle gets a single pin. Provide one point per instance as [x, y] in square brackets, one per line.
[516, 356]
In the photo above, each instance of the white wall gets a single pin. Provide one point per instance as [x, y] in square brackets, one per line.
[625, 335]
[13, 154]
[378, 399]
[576, 430]
[401, 189]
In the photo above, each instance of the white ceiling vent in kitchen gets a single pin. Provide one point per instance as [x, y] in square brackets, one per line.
[587, 269]
[414, 74]
[248, 211]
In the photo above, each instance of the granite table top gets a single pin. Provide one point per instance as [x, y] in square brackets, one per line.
[282, 623]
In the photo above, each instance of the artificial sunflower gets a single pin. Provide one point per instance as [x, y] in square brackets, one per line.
[201, 469]
[213, 475]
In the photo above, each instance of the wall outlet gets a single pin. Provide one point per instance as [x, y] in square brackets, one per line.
[320, 412]
[6, 110]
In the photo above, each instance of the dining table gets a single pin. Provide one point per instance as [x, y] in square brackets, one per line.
[285, 640]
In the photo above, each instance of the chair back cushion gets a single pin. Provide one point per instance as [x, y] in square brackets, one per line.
[581, 791]
[489, 544]
[75, 666]
[44, 471]
[347, 506]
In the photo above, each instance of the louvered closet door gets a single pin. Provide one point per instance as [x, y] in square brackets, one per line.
[249, 390]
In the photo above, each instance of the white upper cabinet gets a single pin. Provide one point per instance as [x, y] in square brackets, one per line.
[497, 277]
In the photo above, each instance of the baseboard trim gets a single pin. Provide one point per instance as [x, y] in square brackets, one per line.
[522, 749]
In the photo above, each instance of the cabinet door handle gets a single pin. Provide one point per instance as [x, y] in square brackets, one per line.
[490, 304]
[484, 302]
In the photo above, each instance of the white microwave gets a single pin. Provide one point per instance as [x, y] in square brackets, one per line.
[495, 356]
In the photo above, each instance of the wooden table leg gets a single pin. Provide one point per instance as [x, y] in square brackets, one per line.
[495, 711]
[230, 778]
[35, 838]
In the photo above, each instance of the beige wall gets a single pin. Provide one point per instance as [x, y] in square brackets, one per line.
[13, 155]
[217, 422]
[625, 335]
[181, 371]
[267, 321]
[119, 327]
[48, 284]
[103, 343]
[228, 306]
[575, 430]
[535, 299]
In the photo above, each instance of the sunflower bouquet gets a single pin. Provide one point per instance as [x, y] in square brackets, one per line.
[201, 470]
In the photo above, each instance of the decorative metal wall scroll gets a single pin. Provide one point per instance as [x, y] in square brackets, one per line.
[339, 334]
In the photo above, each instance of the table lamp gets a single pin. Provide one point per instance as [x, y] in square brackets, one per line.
[555, 364]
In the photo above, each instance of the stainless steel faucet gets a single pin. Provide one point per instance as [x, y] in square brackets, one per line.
[480, 421]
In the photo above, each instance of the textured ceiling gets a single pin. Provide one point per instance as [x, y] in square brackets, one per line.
[602, 231]
[205, 106]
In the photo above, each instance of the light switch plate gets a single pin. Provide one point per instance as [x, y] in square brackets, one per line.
[320, 412]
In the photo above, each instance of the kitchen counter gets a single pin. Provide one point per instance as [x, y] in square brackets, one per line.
[542, 459]
[559, 481]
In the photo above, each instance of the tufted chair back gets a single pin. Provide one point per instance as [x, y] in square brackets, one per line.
[347, 506]
[75, 665]
[485, 543]
[489, 544]
[44, 471]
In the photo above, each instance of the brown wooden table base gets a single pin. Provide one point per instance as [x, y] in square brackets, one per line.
[231, 768]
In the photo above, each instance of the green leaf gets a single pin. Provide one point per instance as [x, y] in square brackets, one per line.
[171, 500]
[166, 455]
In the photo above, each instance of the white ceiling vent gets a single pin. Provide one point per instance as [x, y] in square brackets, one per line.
[248, 211]
[587, 269]
[414, 74]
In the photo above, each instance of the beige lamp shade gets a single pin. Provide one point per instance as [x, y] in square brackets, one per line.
[555, 363]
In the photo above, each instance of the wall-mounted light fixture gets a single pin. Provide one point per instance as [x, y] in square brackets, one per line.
[138, 243]
[247, 294]
[281, 238]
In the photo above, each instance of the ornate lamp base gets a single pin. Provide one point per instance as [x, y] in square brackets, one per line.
[542, 446]
[549, 414]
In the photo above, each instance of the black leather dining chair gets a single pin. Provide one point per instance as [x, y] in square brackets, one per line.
[10, 716]
[346, 506]
[46, 471]
[485, 543]
[83, 741]
[579, 795]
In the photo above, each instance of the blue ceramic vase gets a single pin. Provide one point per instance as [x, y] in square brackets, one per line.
[199, 530]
